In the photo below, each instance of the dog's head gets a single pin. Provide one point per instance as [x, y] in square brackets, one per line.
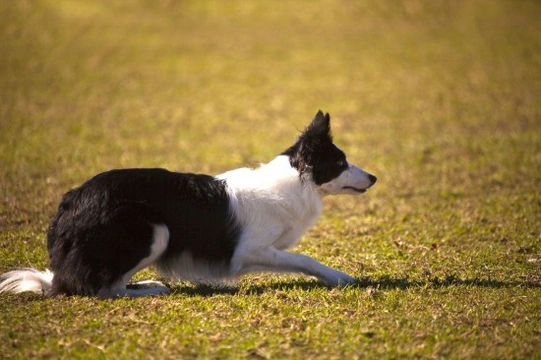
[316, 158]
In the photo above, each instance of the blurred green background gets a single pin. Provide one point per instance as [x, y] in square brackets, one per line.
[439, 99]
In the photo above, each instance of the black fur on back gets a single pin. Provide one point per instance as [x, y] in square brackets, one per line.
[314, 152]
[105, 227]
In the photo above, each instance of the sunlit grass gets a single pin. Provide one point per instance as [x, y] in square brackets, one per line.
[440, 100]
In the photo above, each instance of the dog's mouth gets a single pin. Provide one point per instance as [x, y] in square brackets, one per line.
[354, 189]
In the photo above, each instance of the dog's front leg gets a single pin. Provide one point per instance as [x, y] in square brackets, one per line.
[272, 259]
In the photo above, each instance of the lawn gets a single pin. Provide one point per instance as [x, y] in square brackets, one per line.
[441, 100]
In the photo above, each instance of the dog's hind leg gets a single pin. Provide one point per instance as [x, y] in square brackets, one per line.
[121, 288]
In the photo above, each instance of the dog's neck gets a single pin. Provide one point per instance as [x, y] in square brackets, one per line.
[276, 188]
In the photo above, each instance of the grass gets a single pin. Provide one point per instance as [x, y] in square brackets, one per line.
[440, 100]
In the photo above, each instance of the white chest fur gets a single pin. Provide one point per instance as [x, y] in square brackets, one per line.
[273, 205]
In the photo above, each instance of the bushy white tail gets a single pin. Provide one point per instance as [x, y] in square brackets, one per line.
[22, 280]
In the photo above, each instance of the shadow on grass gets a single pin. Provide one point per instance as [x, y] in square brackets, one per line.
[382, 283]
[386, 282]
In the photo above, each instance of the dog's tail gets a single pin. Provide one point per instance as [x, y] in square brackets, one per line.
[23, 280]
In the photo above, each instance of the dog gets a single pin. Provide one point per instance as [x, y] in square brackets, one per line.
[195, 227]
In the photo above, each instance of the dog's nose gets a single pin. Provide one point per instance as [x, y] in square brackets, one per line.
[372, 178]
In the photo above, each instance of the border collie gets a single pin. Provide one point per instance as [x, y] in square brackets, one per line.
[201, 228]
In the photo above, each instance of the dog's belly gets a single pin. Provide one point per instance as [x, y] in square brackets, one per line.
[185, 267]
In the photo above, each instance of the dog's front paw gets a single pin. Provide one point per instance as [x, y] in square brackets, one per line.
[345, 281]
[340, 280]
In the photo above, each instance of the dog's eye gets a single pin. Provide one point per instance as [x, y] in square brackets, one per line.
[342, 164]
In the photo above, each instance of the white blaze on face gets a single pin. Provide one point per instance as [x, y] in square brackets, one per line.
[353, 181]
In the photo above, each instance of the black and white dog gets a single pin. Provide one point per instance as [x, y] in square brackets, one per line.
[206, 229]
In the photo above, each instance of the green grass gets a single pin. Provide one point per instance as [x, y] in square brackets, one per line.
[439, 99]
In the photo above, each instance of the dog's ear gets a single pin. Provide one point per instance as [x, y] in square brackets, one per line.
[320, 126]
[316, 138]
